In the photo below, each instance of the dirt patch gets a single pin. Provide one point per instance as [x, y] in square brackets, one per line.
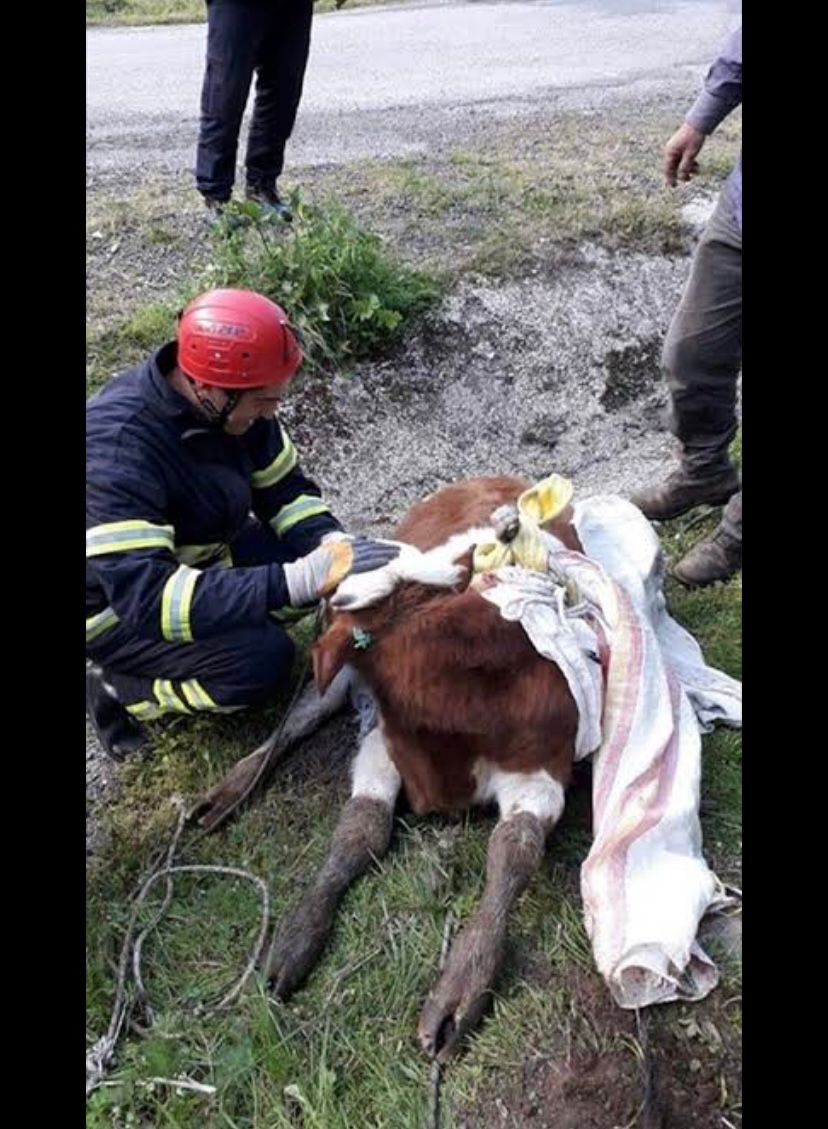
[602, 1091]
[632, 372]
[591, 1092]
[322, 760]
[608, 1069]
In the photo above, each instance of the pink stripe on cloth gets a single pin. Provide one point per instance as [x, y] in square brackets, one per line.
[622, 679]
[603, 653]
[622, 689]
[644, 800]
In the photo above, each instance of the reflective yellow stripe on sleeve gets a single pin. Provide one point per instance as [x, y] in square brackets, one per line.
[300, 509]
[281, 466]
[99, 623]
[176, 600]
[123, 536]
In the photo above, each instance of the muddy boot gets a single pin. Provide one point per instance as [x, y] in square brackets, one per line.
[681, 493]
[118, 732]
[716, 559]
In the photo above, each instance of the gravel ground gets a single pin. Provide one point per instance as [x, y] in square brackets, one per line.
[556, 373]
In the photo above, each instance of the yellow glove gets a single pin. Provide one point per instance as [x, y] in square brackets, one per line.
[322, 571]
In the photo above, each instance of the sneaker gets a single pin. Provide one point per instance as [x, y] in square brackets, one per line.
[217, 214]
[270, 201]
[679, 494]
[215, 206]
[119, 733]
[710, 561]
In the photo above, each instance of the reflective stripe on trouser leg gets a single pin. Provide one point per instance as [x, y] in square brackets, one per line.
[245, 667]
[171, 697]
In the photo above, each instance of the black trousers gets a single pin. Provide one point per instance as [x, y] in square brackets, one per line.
[272, 38]
[243, 667]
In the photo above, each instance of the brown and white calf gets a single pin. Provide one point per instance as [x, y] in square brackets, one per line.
[469, 714]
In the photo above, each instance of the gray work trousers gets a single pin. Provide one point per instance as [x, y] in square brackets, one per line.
[703, 355]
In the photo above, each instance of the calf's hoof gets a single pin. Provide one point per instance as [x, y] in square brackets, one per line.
[297, 945]
[463, 993]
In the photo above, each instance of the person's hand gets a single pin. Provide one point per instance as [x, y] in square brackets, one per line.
[680, 154]
[322, 571]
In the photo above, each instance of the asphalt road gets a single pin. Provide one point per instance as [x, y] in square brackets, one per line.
[391, 81]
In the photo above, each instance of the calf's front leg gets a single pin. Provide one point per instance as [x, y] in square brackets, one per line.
[530, 805]
[362, 835]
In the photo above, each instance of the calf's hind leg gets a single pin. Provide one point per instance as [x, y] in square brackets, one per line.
[530, 805]
[362, 834]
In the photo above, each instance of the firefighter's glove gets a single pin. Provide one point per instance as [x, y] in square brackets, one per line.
[322, 571]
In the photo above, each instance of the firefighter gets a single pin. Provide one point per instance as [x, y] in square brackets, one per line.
[204, 536]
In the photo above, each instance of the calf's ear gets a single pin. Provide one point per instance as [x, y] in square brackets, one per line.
[330, 653]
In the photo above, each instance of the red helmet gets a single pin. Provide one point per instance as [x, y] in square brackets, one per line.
[237, 339]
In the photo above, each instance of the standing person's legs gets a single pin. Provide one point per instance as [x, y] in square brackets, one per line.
[719, 557]
[701, 359]
[280, 74]
[235, 32]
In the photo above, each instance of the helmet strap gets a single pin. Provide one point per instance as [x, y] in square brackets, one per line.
[217, 416]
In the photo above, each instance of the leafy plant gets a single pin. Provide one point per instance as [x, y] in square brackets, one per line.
[347, 294]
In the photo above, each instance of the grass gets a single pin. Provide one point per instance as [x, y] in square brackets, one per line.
[114, 12]
[348, 295]
[526, 194]
[129, 342]
[343, 1052]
